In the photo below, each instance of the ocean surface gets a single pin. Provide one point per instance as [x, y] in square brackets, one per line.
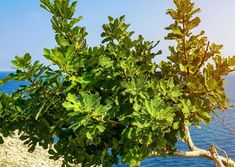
[215, 133]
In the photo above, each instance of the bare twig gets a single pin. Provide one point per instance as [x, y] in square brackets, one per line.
[227, 126]
[218, 148]
[203, 59]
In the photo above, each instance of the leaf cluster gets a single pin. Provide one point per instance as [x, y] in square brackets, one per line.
[112, 102]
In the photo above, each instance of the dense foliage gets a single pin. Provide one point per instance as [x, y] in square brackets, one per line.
[111, 101]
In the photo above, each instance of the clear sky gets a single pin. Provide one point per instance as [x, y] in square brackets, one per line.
[25, 27]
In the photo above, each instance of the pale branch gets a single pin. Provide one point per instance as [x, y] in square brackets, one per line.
[203, 153]
[189, 140]
[196, 152]
[191, 154]
[211, 154]
[215, 156]
[227, 161]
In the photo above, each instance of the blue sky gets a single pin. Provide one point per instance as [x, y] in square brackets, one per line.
[25, 27]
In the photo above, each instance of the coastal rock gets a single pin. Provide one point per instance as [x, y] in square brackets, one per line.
[13, 153]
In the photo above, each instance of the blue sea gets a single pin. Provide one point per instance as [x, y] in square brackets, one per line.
[215, 133]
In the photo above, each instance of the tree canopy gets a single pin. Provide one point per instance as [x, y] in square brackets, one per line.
[111, 102]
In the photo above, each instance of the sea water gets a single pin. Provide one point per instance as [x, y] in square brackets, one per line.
[215, 133]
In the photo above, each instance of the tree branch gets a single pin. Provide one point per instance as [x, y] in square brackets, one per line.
[191, 154]
[215, 156]
[203, 153]
[198, 152]
[203, 59]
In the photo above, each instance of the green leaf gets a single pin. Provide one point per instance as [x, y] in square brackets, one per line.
[134, 163]
[136, 106]
[105, 62]
[89, 135]
[231, 61]
[194, 22]
[175, 125]
[182, 68]
[100, 128]
[62, 41]
[22, 62]
[211, 84]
